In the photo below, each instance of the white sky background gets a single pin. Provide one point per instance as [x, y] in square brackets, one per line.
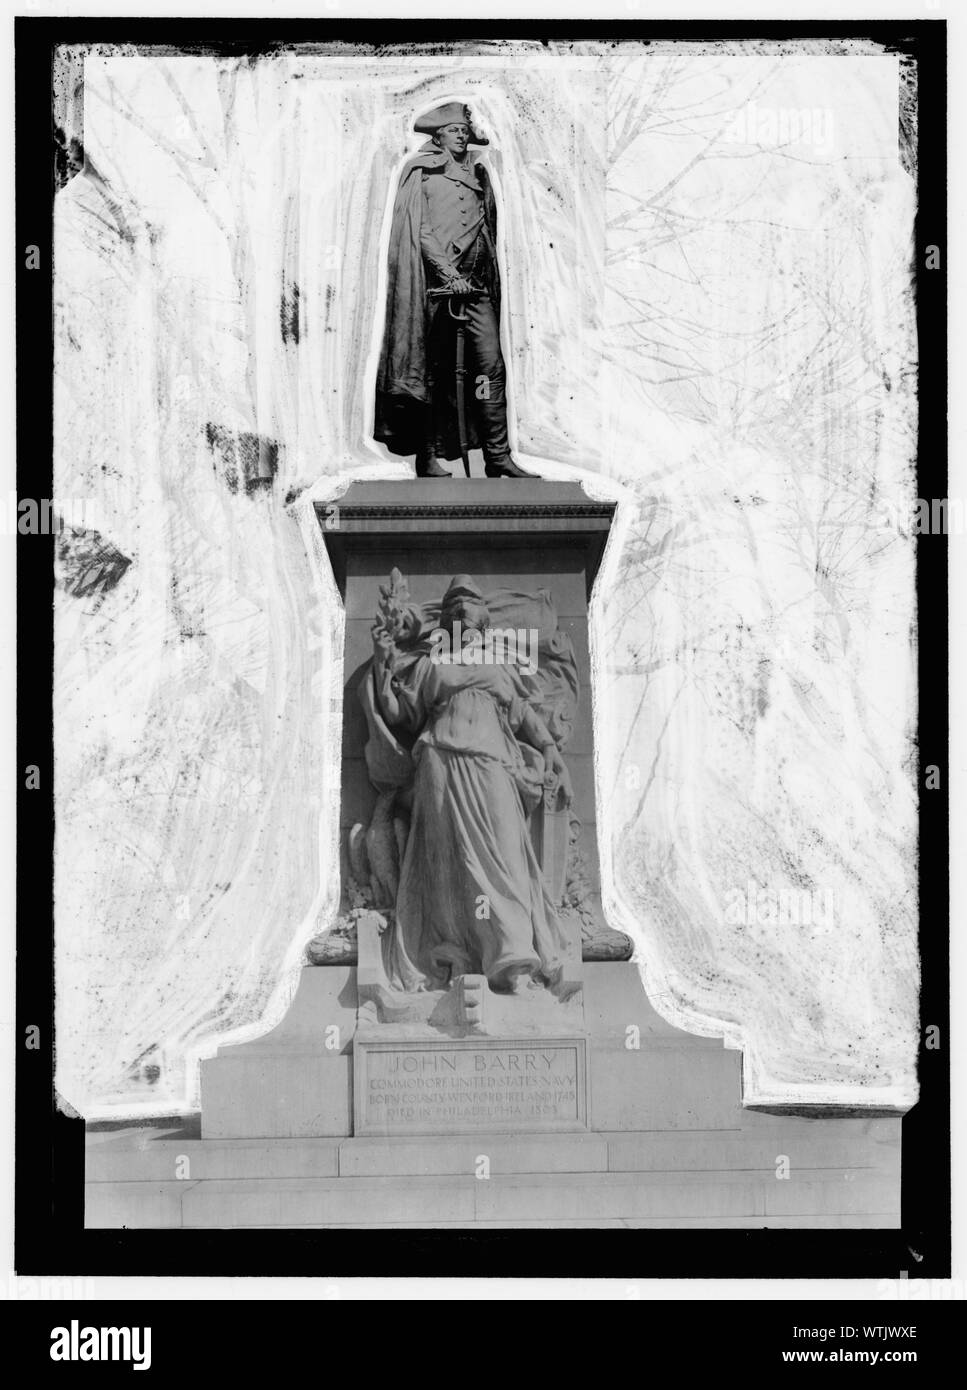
[706, 300]
[879, 10]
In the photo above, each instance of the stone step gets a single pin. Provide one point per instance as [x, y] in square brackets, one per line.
[806, 1144]
[461, 1155]
[162, 1156]
[837, 1194]
[179, 1159]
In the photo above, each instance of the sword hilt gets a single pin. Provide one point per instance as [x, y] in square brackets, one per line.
[454, 297]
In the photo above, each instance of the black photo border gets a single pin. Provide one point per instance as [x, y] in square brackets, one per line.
[50, 1233]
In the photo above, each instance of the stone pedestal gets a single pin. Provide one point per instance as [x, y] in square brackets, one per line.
[299, 1080]
[295, 1082]
[370, 1106]
[668, 1142]
[510, 536]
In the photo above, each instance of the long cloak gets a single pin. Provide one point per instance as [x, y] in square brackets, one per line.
[402, 393]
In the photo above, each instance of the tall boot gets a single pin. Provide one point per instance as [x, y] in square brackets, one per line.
[427, 463]
[428, 466]
[498, 460]
[506, 468]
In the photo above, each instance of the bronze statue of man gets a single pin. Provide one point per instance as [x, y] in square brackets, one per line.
[444, 281]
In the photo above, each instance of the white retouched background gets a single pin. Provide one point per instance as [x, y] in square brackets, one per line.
[708, 303]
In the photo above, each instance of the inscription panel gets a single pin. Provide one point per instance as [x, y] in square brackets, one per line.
[459, 1085]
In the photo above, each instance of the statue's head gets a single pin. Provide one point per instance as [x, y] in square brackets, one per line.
[452, 138]
[451, 127]
[463, 602]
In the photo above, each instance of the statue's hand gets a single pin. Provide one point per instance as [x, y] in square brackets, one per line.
[384, 645]
[556, 775]
[460, 286]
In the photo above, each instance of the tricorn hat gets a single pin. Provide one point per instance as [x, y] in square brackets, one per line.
[450, 113]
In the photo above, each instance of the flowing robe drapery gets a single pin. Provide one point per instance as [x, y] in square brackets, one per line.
[472, 898]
